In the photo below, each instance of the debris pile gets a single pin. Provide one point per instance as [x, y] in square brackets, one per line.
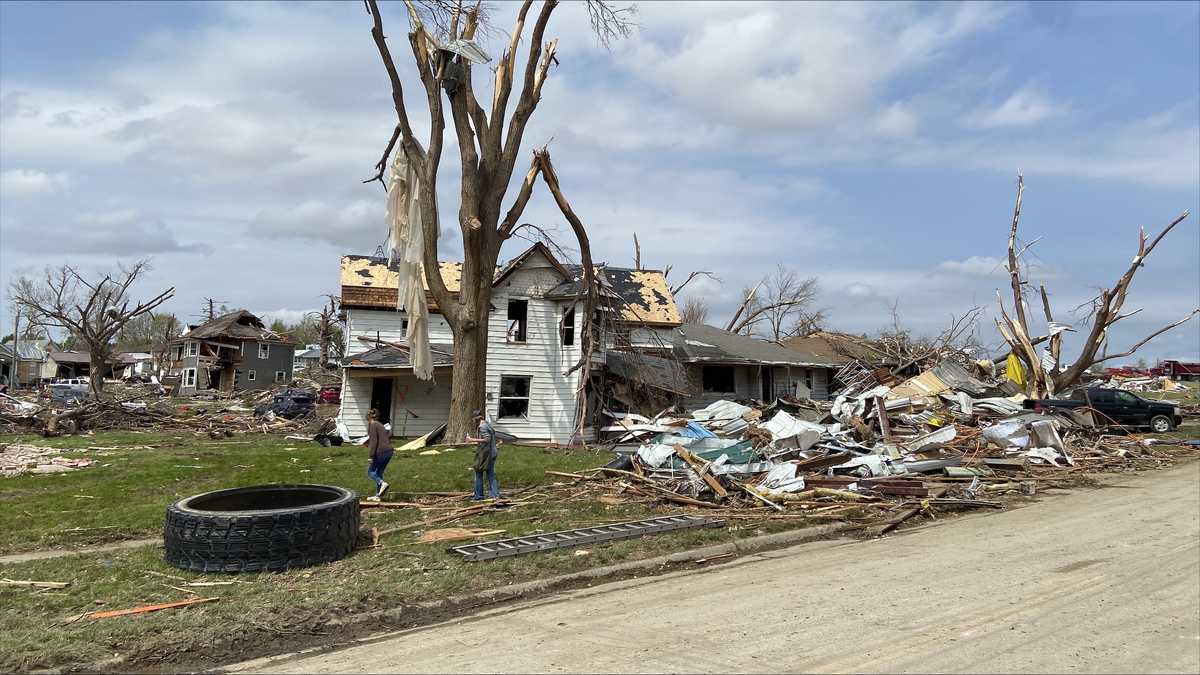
[942, 439]
[17, 459]
[1150, 383]
[281, 410]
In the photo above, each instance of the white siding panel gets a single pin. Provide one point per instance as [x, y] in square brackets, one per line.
[387, 326]
[356, 401]
[542, 358]
[419, 407]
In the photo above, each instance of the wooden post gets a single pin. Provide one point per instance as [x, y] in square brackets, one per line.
[885, 425]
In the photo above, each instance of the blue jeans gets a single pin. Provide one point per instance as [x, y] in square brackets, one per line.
[493, 486]
[375, 471]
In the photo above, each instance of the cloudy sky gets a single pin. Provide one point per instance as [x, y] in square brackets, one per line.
[873, 146]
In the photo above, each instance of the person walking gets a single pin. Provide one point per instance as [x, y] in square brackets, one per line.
[485, 458]
[379, 442]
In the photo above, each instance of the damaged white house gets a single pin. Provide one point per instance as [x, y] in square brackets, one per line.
[642, 358]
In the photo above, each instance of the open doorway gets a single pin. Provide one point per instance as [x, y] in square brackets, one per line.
[381, 397]
[768, 385]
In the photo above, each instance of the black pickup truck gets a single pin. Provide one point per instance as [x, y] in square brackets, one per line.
[1119, 407]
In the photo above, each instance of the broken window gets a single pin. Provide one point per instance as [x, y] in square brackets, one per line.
[264, 350]
[518, 313]
[568, 327]
[514, 396]
[193, 348]
[718, 379]
[279, 375]
[808, 379]
[189, 377]
[249, 375]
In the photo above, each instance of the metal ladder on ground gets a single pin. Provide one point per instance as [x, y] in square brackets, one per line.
[507, 548]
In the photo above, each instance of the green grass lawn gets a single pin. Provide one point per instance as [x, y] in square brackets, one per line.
[127, 492]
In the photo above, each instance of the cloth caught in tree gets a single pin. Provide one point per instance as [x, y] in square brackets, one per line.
[1015, 371]
[407, 245]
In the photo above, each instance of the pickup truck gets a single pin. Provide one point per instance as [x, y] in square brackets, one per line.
[1119, 407]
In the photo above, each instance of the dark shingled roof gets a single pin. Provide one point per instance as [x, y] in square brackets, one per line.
[653, 371]
[388, 356]
[696, 343]
[240, 325]
[836, 347]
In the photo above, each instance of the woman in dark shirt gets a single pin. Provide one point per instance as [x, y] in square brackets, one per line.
[379, 442]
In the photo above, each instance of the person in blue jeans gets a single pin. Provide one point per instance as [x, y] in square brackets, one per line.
[379, 442]
[485, 457]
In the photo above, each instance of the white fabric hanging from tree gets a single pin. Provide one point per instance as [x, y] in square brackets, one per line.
[407, 244]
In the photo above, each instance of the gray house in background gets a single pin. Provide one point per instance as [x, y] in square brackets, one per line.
[232, 352]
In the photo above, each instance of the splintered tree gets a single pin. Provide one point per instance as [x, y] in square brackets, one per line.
[92, 311]
[1044, 373]
[441, 41]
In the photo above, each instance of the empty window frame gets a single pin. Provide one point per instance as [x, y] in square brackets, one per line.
[279, 376]
[514, 396]
[718, 379]
[568, 327]
[189, 377]
[264, 350]
[249, 375]
[808, 379]
[518, 315]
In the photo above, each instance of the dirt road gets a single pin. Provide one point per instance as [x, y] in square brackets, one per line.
[1098, 581]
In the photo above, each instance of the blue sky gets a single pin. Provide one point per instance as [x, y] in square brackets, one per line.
[873, 146]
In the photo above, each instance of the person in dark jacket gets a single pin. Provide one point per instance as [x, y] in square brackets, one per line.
[379, 442]
[485, 457]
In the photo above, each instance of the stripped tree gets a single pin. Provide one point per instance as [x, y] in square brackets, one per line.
[92, 311]
[779, 307]
[441, 43]
[1044, 372]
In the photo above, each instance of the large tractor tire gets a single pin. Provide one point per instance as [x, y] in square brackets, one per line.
[261, 528]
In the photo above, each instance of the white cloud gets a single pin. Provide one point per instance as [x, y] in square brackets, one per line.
[976, 265]
[1025, 107]
[15, 183]
[896, 120]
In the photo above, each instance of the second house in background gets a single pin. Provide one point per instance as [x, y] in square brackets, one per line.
[231, 352]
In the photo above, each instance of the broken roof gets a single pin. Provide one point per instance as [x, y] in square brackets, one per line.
[838, 348]
[698, 343]
[643, 295]
[652, 371]
[393, 356]
[239, 325]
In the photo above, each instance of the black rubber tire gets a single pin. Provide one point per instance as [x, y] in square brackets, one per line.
[258, 538]
[1169, 426]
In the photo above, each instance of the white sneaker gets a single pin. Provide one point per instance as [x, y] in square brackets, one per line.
[383, 488]
[372, 498]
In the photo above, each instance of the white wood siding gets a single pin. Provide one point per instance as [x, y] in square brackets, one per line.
[542, 357]
[419, 407]
[356, 401]
[387, 325]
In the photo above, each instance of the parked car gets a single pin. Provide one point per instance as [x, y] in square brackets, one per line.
[289, 403]
[330, 393]
[1119, 407]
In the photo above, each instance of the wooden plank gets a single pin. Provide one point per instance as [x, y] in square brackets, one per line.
[35, 584]
[903, 515]
[148, 608]
[698, 467]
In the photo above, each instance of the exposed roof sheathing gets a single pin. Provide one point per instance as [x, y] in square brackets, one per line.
[645, 297]
[240, 325]
[364, 271]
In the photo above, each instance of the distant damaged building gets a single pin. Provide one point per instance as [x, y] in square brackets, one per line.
[232, 352]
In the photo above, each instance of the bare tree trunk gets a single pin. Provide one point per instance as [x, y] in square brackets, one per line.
[96, 363]
[469, 379]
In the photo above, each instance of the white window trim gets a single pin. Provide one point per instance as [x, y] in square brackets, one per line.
[249, 375]
[193, 348]
[280, 375]
[189, 374]
[528, 398]
[264, 351]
